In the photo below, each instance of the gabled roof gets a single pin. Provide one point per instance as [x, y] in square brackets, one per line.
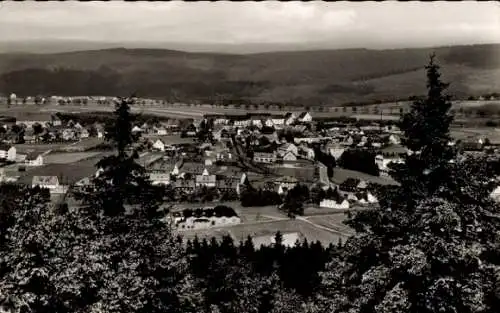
[303, 114]
[32, 156]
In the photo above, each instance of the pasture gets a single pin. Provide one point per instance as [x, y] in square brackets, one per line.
[333, 221]
[68, 157]
[341, 174]
[242, 231]
[39, 148]
[493, 134]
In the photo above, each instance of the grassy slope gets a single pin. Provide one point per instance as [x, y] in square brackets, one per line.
[332, 76]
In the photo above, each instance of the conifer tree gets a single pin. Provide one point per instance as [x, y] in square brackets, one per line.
[426, 129]
[120, 179]
[433, 244]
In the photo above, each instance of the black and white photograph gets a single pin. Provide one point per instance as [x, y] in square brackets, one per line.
[249, 157]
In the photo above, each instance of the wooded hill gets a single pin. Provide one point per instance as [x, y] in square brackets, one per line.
[331, 77]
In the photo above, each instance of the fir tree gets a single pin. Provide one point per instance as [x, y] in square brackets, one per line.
[426, 129]
[120, 179]
[430, 247]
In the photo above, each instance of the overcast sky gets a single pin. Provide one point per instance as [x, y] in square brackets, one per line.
[338, 25]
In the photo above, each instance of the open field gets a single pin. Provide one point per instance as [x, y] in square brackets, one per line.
[242, 231]
[82, 145]
[40, 148]
[390, 110]
[333, 221]
[341, 174]
[171, 139]
[68, 157]
[475, 133]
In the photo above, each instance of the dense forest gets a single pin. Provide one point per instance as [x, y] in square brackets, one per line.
[432, 246]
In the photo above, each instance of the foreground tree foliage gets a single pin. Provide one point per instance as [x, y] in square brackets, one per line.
[74, 262]
[433, 244]
[95, 258]
[120, 180]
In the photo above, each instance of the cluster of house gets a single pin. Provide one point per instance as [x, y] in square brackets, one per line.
[48, 130]
[202, 217]
[352, 191]
[9, 154]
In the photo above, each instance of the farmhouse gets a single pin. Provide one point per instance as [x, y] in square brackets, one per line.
[7, 152]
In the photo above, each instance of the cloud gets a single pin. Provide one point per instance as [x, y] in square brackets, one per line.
[342, 23]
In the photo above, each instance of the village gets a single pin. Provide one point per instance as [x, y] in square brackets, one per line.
[225, 173]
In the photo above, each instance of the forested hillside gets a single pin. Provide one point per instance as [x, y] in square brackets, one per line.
[307, 77]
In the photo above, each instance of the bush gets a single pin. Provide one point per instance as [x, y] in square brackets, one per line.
[359, 160]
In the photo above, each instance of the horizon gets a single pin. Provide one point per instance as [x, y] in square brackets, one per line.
[242, 28]
[98, 46]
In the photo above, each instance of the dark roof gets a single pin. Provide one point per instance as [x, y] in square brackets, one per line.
[350, 183]
[32, 156]
[4, 146]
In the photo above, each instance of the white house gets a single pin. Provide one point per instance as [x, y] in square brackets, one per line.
[84, 133]
[8, 152]
[159, 145]
[330, 203]
[161, 131]
[205, 179]
[221, 121]
[136, 129]
[48, 182]
[336, 152]
[159, 178]
[370, 199]
[305, 117]
[269, 123]
[242, 123]
[278, 121]
[34, 159]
